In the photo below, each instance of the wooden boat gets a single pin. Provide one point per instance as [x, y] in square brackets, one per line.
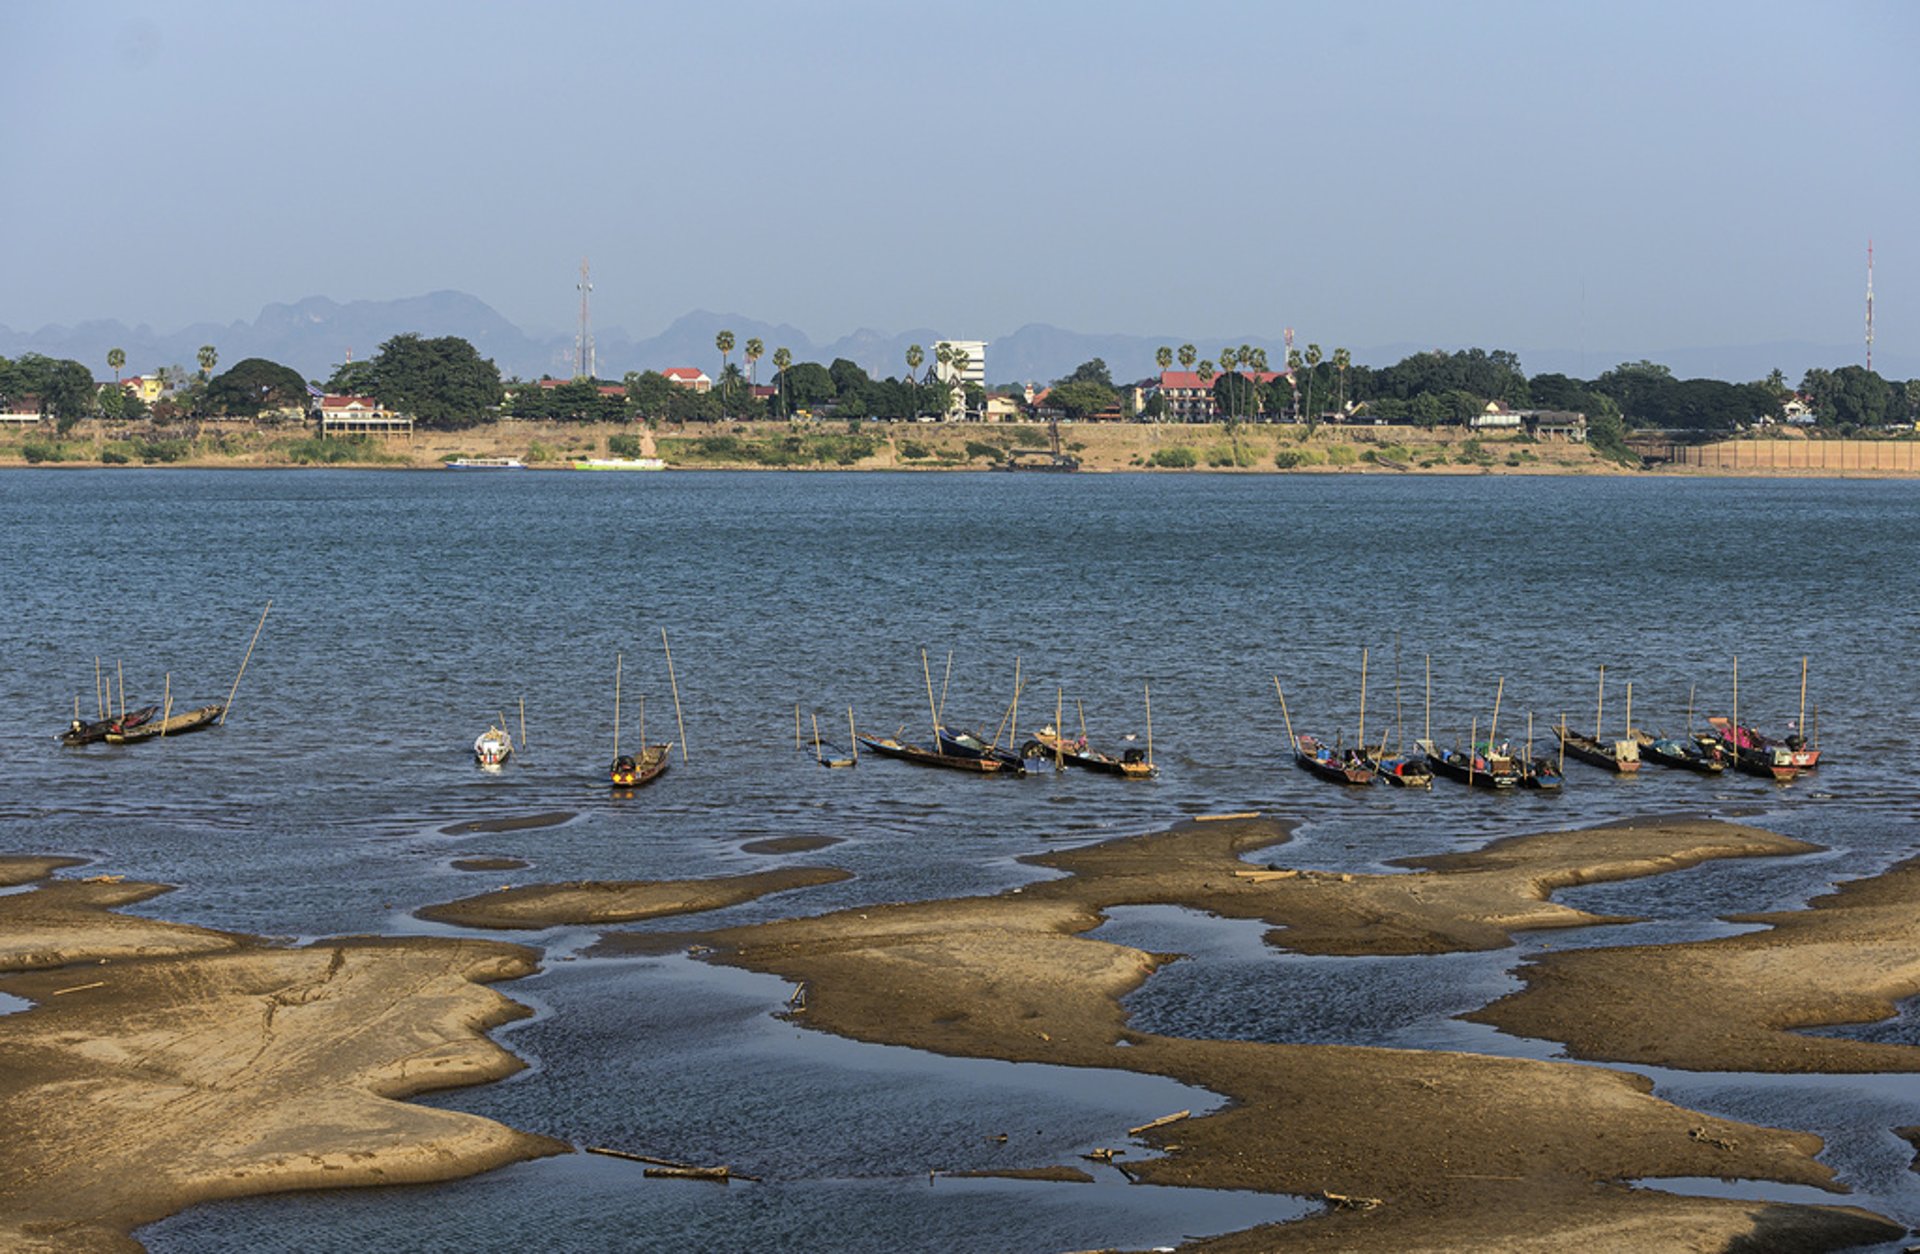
[889, 747]
[1680, 755]
[619, 463]
[1479, 770]
[1350, 767]
[968, 745]
[79, 733]
[1621, 756]
[1800, 755]
[492, 748]
[1752, 754]
[629, 771]
[1046, 743]
[1403, 772]
[1539, 774]
[486, 463]
[178, 725]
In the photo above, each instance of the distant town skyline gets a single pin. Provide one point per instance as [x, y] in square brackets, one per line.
[1505, 174]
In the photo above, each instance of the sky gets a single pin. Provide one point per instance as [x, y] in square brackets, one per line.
[1536, 174]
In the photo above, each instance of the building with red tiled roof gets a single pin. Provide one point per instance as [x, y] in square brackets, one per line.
[689, 377]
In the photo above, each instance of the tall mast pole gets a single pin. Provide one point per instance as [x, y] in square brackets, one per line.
[583, 356]
[1869, 303]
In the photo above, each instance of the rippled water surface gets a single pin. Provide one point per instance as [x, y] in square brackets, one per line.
[410, 609]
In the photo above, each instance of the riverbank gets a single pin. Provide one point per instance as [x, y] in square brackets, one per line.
[1141, 447]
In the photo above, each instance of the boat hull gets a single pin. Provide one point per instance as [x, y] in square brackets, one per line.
[630, 772]
[888, 747]
[179, 725]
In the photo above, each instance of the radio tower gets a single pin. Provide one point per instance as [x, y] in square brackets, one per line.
[1869, 303]
[584, 364]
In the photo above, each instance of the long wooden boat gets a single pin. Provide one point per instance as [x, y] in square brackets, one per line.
[1539, 774]
[1620, 756]
[1680, 755]
[1774, 762]
[1352, 767]
[968, 745]
[1803, 756]
[1479, 770]
[888, 747]
[631, 771]
[179, 725]
[79, 733]
[1132, 763]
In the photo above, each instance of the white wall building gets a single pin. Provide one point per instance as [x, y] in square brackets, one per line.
[974, 373]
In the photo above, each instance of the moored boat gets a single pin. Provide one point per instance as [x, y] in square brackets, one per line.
[1047, 743]
[492, 748]
[619, 463]
[968, 745]
[1539, 774]
[1348, 767]
[1680, 755]
[633, 771]
[486, 463]
[1404, 772]
[79, 733]
[890, 747]
[1478, 770]
[1620, 756]
[1753, 754]
[178, 725]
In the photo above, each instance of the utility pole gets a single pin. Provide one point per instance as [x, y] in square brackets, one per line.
[1869, 303]
[583, 354]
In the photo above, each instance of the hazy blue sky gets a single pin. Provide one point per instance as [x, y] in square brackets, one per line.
[1634, 175]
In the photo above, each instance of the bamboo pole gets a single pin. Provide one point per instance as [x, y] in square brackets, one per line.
[120, 666]
[1059, 735]
[523, 724]
[643, 722]
[1629, 709]
[796, 725]
[678, 718]
[931, 707]
[1149, 724]
[99, 697]
[1399, 742]
[166, 708]
[1529, 737]
[616, 706]
[1292, 744]
[816, 737]
[853, 737]
[1800, 728]
[1563, 742]
[1690, 688]
[1082, 707]
[1493, 729]
[944, 681]
[1013, 718]
[243, 661]
[1598, 703]
[1473, 749]
[76, 709]
[1429, 698]
[504, 732]
[1361, 736]
[1735, 729]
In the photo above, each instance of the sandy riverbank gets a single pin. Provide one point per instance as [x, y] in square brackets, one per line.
[164, 1065]
[1464, 1152]
[1143, 447]
[226, 1065]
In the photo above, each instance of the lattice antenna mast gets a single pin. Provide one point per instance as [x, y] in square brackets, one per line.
[1869, 303]
[583, 347]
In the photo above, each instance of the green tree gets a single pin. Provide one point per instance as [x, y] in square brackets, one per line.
[915, 356]
[116, 358]
[444, 383]
[650, 393]
[782, 358]
[253, 385]
[756, 347]
[723, 342]
[1076, 398]
[1188, 355]
[1094, 371]
[208, 360]
[353, 378]
[806, 384]
[1295, 364]
[1163, 358]
[1341, 360]
[1312, 360]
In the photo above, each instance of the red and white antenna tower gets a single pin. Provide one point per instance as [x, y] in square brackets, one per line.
[1869, 302]
[583, 347]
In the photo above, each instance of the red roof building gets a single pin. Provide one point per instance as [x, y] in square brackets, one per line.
[689, 377]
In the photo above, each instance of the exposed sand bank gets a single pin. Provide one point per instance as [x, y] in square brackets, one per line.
[545, 905]
[165, 1065]
[1467, 1152]
[1734, 1003]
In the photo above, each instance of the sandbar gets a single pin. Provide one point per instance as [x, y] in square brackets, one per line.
[620, 901]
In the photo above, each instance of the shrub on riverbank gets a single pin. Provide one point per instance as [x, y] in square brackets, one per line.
[1174, 457]
[333, 451]
[787, 450]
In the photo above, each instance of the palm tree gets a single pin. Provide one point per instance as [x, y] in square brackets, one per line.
[1294, 363]
[957, 362]
[208, 360]
[1188, 355]
[1341, 360]
[1228, 361]
[1256, 360]
[782, 358]
[116, 358]
[755, 348]
[1163, 357]
[915, 355]
[723, 342]
[1313, 367]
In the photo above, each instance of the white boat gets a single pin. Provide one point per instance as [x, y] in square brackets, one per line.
[486, 463]
[492, 748]
[620, 463]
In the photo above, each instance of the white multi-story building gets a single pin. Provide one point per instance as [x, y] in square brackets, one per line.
[974, 371]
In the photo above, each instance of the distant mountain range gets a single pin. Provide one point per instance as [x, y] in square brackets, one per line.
[316, 334]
